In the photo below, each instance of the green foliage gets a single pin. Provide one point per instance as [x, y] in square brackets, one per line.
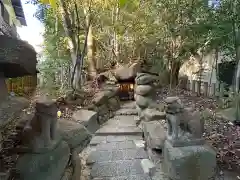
[162, 32]
[55, 40]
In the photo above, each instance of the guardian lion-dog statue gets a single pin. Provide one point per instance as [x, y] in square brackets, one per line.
[184, 127]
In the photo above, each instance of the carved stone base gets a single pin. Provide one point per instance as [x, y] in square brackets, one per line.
[77, 166]
[153, 115]
[154, 134]
[87, 118]
[75, 134]
[37, 146]
[47, 166]
[184, 141]
[189, 163]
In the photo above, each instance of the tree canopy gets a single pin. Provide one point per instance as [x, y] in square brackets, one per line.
[164, 33]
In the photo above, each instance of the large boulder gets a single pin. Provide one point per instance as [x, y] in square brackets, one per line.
[107, 76]
[142, 102]
[75, 134]
[114, 104]
[103, 113]
[145, 79]
[48, 166]
[144, 90]
[87, 118]
[102, 96]
[127, 72]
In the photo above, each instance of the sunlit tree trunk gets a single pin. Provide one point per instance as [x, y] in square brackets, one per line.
[237, 54]
[68, 28]
[236, 46]
[115, 17]
[174, 72]
[91, 54]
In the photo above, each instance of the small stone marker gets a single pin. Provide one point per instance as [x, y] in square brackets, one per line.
[148, 167]
[139, 143]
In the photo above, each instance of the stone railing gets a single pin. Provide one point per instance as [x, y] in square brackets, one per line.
[6, 29]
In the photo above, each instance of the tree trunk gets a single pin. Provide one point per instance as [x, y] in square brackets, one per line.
[62, 76]
[237, 47]
[237, 79]
[77, 75]
[68, 28]
[174, 73]
[115, 36]
[91, 54]
[217, 70]
[237, 74]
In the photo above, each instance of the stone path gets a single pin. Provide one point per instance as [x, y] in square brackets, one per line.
[116, 152]
[118, 148]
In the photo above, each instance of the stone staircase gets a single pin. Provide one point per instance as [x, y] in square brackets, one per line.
[117, 149]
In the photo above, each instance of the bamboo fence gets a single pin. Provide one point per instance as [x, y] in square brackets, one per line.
[22, 85]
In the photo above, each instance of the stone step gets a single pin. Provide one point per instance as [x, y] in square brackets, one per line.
[122, 121]
[117, 169]
[128, 144]
[127, 111]
[116, 155]
[130, 130]
[130, 104]
[135, 177]
[97, 140]
[87, 118]
[107, 139]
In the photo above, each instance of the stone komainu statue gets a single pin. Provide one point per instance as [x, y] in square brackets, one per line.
[192, 123]
[40, 131]
[182, 123]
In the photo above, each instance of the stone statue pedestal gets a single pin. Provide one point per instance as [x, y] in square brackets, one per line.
[48, 165]
[189, 162]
